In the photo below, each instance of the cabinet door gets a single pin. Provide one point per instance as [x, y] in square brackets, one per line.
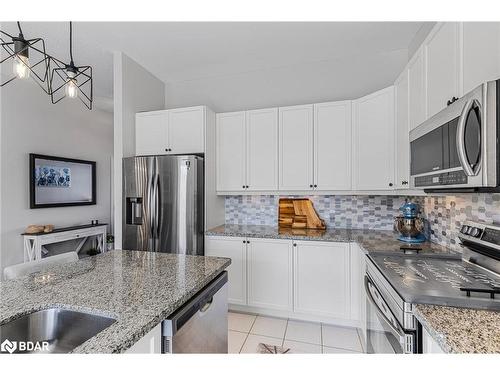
[321, 278]
[270, 274]
[481, 53]
[402, 132]
[186, 130]
[358, 295]
[296, 148]
[429, 344]
[151, 132]
[373, 150]
[234, 248]
[416, 90]
[442, 56]
[230, 130]
[332, 146]
[149, 343]
[262, 149]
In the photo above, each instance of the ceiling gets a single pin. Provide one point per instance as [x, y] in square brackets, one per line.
[338, 59]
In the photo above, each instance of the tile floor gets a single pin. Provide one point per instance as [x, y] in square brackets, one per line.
[247, 331]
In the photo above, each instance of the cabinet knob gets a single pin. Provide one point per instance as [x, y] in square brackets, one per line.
[166, 149]
[315, 185]
[243, 186]
[246, 187]
[404, 182]
[294, 245]
[390, 184]
[311, 186]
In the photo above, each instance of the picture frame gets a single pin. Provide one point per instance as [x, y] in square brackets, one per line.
[61, 182]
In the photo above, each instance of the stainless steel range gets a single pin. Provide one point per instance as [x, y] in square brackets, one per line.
[395, 283]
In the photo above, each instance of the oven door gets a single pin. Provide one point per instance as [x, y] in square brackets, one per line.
[384, 334]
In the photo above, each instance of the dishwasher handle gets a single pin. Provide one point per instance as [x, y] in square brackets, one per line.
[201, 302]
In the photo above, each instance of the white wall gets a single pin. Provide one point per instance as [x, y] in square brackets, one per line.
[135, 90]
[31, 124]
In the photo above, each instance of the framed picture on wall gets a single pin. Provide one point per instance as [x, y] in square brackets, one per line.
[59, 182]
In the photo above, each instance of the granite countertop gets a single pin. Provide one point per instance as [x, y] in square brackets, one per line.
[139, 289]
[459, 330]
[370, 240]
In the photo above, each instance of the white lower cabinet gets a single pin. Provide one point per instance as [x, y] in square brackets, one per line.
[148, 344]
[321, 278]
[429, 345]
[309, 280]
[270, 273]
[234, 248]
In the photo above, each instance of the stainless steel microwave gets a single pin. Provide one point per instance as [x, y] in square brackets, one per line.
[457, 149]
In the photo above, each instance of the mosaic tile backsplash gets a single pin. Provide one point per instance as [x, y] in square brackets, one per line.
[444, 213]
[341, 211]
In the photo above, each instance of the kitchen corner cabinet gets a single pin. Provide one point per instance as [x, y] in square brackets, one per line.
[247, 150]
[442, 66]
[417, 101]
[234, 248]
[269, 273]
[173, 131]
[402, 156]
[321, 278]
[296, 148]
[373, 141]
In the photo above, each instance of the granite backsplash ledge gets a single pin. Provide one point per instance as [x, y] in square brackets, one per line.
[444, 213]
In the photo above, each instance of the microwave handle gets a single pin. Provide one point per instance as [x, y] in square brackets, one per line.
[462, 156]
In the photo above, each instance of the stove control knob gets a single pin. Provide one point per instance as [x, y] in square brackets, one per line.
[469, 230]
[475, 232]
[464, 229]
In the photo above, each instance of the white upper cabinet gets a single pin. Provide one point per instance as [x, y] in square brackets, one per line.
[296, 148]
[322, 279]
[262, 149]
[481, 53]
[186, 130]
[416, 82]
[151, 133]
[231, 151]
[332, 146]
[442, 66]
[373, 141]
[173, 131]
[402, 158]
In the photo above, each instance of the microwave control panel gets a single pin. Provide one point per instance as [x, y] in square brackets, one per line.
[445, 178]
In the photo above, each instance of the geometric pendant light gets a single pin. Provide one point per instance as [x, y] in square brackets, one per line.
[28, 58]
[69, 80]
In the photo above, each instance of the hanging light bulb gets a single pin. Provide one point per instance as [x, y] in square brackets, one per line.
[71, 88]
[20, 64]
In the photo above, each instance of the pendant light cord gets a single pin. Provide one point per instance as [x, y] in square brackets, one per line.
[71, 42]
[19, 27]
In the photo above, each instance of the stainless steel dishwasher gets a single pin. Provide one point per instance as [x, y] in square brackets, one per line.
[200, 326]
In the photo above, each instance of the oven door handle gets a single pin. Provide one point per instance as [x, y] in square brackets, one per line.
[462, 153]
[405, 340]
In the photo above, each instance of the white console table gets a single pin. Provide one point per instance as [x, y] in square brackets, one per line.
[33, 243]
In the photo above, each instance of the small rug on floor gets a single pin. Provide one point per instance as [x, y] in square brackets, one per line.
[272, 349]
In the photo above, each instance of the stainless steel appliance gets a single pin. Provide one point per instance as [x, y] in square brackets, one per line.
[457, 149]
[395, 283]
[163, 204]
[200, 326]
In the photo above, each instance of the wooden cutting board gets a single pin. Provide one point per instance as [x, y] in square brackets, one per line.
[298, 213]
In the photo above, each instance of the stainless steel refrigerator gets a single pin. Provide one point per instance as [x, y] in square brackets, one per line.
[163, 200]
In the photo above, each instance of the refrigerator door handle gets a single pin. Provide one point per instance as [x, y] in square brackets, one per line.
[156, 185]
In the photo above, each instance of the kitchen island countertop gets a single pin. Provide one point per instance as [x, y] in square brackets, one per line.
[139, 289]
[459, 330]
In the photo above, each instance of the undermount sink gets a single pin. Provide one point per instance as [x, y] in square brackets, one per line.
[52, 330]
